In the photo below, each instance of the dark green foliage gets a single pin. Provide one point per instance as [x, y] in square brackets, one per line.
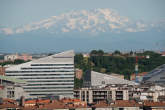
[93, 52]
[113, 64]
[6, 63]
[17, 61]
[82, 63]
[50, 54]
[78, 83]
[131, 53]
[117, 52]
[118, 63]
[151, 63]
[97, 53]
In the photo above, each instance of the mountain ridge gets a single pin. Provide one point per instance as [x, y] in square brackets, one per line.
[91, 21]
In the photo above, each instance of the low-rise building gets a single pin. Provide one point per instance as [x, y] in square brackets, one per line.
[2, 70]
[11, 88]
[25, 57]
[154, 93]
[86, 55]
[91, 95]
[163, 54]
[78, 73]
[13, 57]
[139, 75]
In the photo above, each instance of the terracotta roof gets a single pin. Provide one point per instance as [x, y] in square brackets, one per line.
[70, 100]
[118, 103]
[126, 103]
[154, 104]
[37, 101]
[44, 101]
[8, 106]
[101, 104]
[55, 105]
[9, 100]
[163, 53]
[30, 102]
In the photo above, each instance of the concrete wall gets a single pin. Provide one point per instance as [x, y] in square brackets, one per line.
[17, 92]
[118, 108]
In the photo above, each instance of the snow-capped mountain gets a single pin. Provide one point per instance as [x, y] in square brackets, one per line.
[90, 21]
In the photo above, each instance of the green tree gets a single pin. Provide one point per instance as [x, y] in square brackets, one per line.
[121, 64]
[117, 52]
[78, 83]
[18, 61]
[97, 52]
[100, 52]
[93, 52]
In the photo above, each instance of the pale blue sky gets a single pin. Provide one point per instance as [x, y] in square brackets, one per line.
[18, 12]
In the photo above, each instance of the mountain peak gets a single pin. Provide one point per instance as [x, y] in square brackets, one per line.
[90, 21]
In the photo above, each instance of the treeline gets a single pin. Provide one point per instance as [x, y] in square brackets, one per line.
[119, 63]
[17, 61]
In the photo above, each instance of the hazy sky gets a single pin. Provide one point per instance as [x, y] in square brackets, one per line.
[17, 13]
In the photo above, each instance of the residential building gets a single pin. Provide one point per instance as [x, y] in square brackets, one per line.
[163, 54]
[11, 88]
[2, 70]
[139, 75]
[86, 55]
[78, 73]
[91, 95]
[13, 57]
[155, 93]
[46, 77]
[25, 57]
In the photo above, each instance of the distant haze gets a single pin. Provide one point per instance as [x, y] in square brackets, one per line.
[44, 26]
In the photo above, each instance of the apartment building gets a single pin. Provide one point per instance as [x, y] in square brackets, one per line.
[91, 95]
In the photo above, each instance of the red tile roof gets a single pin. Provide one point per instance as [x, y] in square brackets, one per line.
[30, 102]
[154, 104]
[126, 103]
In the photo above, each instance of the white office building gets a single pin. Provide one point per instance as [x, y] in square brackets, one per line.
[48, 76]
[93, 78]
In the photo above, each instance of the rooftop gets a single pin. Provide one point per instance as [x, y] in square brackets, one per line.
[11, 79]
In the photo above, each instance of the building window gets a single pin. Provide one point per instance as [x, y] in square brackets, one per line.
[10, 94]
[103, 82]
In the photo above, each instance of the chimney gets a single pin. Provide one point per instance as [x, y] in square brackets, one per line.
[22, 101]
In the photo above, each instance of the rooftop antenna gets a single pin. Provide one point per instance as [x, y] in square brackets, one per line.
[136, 69]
